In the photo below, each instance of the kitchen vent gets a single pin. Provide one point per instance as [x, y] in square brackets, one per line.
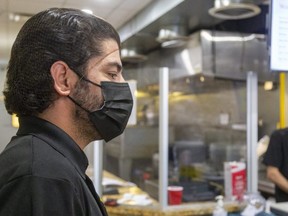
[132, 56]
[234, 9]
[172, 36]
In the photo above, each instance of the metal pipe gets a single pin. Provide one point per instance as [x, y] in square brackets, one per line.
[282, 102]
[252, 132]
[98, 166]
[163, 136]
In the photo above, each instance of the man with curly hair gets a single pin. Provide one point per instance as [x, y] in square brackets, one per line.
[65, 83]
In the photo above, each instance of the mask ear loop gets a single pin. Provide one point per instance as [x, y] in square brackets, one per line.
[78, 104]
[82, 77]
[93, 83]
[89, 81]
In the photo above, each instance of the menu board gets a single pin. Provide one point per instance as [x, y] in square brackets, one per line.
[279, 35]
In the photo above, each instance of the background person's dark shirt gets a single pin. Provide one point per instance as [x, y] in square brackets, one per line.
[277, 156]
[42, 173]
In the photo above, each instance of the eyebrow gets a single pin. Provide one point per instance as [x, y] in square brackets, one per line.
[115, 64]
[111, 64]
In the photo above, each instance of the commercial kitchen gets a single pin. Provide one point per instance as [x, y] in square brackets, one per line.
[205, 100]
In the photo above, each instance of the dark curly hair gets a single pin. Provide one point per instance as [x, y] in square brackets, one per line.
[69, 35]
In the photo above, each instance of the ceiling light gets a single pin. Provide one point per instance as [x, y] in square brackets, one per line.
[234, 9]
[19, 17]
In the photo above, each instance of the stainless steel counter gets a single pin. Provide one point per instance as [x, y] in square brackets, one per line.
[280, 209]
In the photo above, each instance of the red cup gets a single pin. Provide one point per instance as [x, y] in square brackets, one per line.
[175, 195]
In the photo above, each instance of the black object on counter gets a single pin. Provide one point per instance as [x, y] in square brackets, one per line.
[110, 191]
[198, 191]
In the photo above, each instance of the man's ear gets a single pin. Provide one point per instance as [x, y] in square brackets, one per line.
[63, 78]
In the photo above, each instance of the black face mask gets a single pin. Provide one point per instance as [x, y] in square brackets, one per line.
[111, 119]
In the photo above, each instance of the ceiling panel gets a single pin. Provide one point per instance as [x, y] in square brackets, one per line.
[126, 11]
[3, 5]
[132, 4]
[30, 7]
[117, 12]
[93, 5]
[105, 3]
[99, 11]
[115, 20]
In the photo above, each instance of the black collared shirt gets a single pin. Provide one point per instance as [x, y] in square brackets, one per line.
[42, 173]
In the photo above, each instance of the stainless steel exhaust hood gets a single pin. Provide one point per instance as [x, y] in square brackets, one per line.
[143, 31]
[214, 54]
[231, 55]
[226, 49]
[176, 19]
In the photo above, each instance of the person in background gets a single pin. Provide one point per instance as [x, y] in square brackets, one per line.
[276, 160]
[65, 83]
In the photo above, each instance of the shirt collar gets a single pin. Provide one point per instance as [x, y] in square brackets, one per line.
[57, 138]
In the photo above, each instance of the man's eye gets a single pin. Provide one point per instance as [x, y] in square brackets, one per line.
[113, 75]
